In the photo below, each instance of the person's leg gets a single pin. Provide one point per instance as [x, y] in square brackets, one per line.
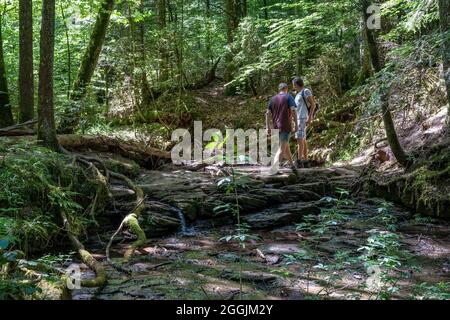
[287, 151]
[288, 154]
[276, 165]
[301, 149]
[280, 153]
[284, 141]
[301, 140]
[305, 150]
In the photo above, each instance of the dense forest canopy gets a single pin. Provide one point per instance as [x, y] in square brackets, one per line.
[92, 90]
[156, 47]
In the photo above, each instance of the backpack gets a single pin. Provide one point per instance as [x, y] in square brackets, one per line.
[306, 103]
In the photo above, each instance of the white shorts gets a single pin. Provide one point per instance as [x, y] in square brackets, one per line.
[301, 133]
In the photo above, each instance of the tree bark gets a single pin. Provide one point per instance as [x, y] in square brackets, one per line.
[88, 64]
[6, 117]
[389, 128]
[208, 32]
[145, 86]
[266, 13]
[377, 64]
[232, 22]
[444, 13]
[163, 55]
[92, 53]
[371, 39]
[26, 78]
[46, 119]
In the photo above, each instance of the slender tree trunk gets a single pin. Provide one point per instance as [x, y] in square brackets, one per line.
[26, 78]
[371, 39]
[88, 64]
[364, 56]
[6, 117]
[232, 22]
[69, 52]
[145, 86]
[46, 121]
[444, 12]
[92, 53]
[208, 33]
[244, 8]
[266, 13]
[163, 55]
[389, 126]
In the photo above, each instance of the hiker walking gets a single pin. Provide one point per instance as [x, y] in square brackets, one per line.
[281, 110]
[305, 108]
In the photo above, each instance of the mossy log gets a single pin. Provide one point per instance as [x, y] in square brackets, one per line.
[100, 279]
[131, 220]
[145, 156]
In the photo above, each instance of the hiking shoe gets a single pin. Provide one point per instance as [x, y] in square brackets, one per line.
[300, 164]
[306, 164]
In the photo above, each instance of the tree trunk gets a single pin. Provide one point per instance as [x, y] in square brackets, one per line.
[163, 55]
[364, 56]
[208, 32]
[232, 22]
[6, 117]
[444, 11]
[389, 126]
[26, 78]
[266, 13]
[145, 86]
[371, 39]
[244, 8]
[92, 53]
[88, 64]
[46, 117]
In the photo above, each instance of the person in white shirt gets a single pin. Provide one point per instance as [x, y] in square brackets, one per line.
[305, 107]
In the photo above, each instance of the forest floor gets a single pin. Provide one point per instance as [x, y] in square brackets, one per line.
[306, 239]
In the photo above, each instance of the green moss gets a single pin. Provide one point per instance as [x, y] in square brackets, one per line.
[123, 166]
[425, 187]
[196, 255]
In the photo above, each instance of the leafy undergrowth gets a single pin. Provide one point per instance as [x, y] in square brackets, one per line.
[35, 186]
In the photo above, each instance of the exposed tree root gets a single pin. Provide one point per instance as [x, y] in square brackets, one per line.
[131, 220]
[100, 278]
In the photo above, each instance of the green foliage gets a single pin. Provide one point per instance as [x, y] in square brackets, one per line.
[36, 185]
[13, 284]
[426, 291]
[385, 216]
[329, 217]
[383, 253]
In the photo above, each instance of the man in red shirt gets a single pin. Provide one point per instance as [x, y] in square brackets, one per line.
[281, 109]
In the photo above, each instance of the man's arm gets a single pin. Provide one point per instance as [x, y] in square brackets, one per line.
[294, 118]
[312, 108]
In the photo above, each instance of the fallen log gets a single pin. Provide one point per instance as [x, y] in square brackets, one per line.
[147, 157]
[21, 129]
